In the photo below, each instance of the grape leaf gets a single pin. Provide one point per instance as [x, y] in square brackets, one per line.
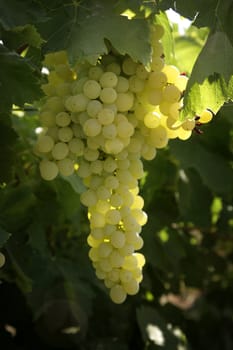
[83, 33]
[212, 167]
[211, 82]
[20, 36]
[167, 39]
[8, 139]
[201, 12]
[17, 13]
[18, 81]
[225, 13]
[194, 199]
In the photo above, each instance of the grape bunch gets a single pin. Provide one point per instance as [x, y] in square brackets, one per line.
[104, 119]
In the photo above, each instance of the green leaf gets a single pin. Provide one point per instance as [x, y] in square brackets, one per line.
[211, 82]
[214, 169]
[18, 80]
[194, 199]
[167, 39]
[83, 33]
[187, 50]
[4, 236]
[8, 139]
[225, 13]
[75, 182]
[16, 13]
[22, 36]
[201, 12]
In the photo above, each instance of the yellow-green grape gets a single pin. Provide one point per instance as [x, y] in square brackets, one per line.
[44, 143]
[2, 259]
[63, 119]
[105, 119]
[92, 127]
[65, 134]
[171, 93]
[48, 170]
[206, 116]
[60, 150]
[108, 95]
[157, 80]
[118, 294]
[91, 89]
[108, 80]
[124, 101]
[76, 103]
[66, 166]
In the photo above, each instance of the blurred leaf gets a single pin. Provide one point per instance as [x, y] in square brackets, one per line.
[4, 236]
[194, 199]
[75, 182]
[225, 13]
[15, 73]
[214, 169]
[16, 13]
[8, 138]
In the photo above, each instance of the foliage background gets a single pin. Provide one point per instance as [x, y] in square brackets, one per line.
[49, 295]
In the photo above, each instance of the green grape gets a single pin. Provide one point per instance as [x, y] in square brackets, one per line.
[63, 89]
[157, 80]
[44, 144]
[109, 131]
[141, 72]
[91, 89]
[118, 239]
[92, 127]
[157, 64]
[171, 72]
[124, 101]
[108, 95]
[76, 146]
[122, 84]
[95, 72]
[136, 84]
[114, 67]
[105, 116]
[171, 93]
[47, 118]
[91, 155]
[77, 86]
[65, 134]
[206, 116]
[76, 103]
[129, 66]
[65, 166]
[2, 260]
[93, 108]
[152, 120]
[113, 217]
[48, 170]
[108, 80]
[63, 119]
[131, 287]
[60, 150]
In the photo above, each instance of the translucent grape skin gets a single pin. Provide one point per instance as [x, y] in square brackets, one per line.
[100, 123]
